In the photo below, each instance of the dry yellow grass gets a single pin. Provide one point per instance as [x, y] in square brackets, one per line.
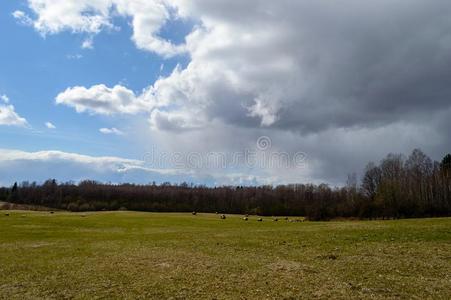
[127, 255]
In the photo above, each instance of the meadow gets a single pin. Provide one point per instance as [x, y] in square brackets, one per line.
[131, 255]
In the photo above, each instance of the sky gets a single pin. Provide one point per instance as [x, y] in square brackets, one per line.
[220, 92]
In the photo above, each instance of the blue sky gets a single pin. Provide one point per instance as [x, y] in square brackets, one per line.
[340, 83]
[35, 69]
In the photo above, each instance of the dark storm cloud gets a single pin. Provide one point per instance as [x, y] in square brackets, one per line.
[345, 81]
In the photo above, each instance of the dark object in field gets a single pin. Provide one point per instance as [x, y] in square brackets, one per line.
[245, 218]
[52, 212]
[331, 257]
[286, 218]
[223, 217]
[194, 213]
[275, 219]
[260, 220]
[217, 213]
[6, 215]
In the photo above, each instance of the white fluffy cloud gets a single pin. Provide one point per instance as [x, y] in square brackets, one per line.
[22, 18]
[111, 131]
[54, 16]
[49, 125]
[88, 43]
[148, 17]
[92, 16]
[100, 99]
[9, 117]
[4, 98]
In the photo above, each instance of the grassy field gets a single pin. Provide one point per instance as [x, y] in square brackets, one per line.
[143, 255]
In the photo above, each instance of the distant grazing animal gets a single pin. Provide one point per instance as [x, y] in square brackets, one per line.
[194, 213]
[7, 215]
[260, 220]
[245, 218]
[52, 212]
[223, 217]
[286, 218]
[275, 220]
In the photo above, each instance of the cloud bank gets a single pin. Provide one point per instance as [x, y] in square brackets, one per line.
[342, 81]
[76, 167]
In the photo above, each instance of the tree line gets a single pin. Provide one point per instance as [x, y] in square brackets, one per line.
[397, 187]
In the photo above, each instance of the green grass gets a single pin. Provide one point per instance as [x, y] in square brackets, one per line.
[142, 255]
